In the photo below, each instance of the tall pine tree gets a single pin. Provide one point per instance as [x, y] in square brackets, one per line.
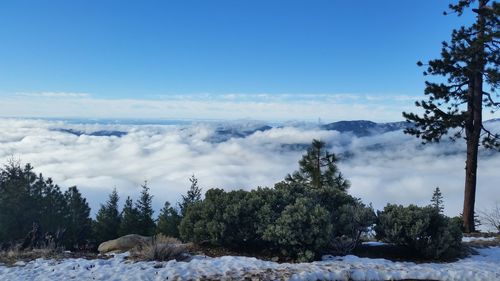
[468, 62]
[54, 207]
[130, 219]
[79, 224]
[145, 211]
[318, 168]
[168, 221]
[108, 219]
[18, 207]
[437, 200]
[193, 195]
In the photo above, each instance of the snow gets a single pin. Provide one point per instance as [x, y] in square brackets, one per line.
[484, 266]
[472, 239]
[374, 243]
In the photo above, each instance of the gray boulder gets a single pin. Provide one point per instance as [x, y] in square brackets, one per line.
[124, 243]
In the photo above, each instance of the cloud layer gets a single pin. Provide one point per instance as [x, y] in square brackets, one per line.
[279, 107]
[390, 167]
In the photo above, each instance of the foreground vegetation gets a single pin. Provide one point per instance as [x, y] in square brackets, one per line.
[308, 214]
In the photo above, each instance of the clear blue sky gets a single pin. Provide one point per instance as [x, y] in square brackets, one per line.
[142, 49]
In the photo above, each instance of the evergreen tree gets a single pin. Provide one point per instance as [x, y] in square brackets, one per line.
[53, 205]
[318, 168]
[437, 200]
[79, 224]
[169, 221]
[469, 62]
[145, 210]
[108, 219]
[130, 219]
[26, 198]
[193, 195]
[18, 209]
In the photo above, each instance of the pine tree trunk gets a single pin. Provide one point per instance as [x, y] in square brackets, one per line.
[474, 126]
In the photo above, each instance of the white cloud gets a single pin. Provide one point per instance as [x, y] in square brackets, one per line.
[277, 107]
[54, 95]
[386, 168]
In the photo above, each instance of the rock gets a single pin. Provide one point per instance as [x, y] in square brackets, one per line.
[124, 243]
[275, 259]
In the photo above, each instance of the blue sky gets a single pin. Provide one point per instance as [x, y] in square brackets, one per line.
[149, 50]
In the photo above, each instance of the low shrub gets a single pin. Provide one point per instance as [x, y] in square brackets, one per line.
[291, 220]
[161, 248]
[302, 230]
[352, 221]
[422, 229]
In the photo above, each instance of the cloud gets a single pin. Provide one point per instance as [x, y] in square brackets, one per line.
[53, 95]
[328, 107]
[390, 167]
[276, 107]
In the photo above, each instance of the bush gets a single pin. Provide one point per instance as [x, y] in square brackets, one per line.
[291, 219]
[303, 229]
[222, 218]
[421, 229]
[161, 248]
[352, 220]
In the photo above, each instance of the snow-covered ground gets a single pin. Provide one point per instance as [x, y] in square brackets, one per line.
[473, 239]
[484, 266]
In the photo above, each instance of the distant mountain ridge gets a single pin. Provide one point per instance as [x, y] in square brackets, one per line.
[362, 128]
[222, 134]
[225, 132]
[102, 133]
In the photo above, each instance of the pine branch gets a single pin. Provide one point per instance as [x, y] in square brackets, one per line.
[490, 99]
[489, 134]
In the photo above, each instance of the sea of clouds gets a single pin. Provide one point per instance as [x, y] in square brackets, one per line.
[389, 167]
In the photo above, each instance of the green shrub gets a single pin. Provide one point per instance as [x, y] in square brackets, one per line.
[350, 222]
[222, 218]
[290, 219]
[303, 229]
[421, 229]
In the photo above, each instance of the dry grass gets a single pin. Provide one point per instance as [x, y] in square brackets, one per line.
[13, 255]
[161, 248]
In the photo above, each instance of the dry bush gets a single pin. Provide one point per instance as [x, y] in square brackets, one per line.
[162, 239]
[491, 218]
[161, 248]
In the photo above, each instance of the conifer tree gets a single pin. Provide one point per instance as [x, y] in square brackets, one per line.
[130, 219]
[468, 63]
[54, 207]
[108, 219]
[18, 209]
[168, 221]
[437, 200]
[79, 224]
[193, 195]
[318, 168]
[145, 211]
[26, 198]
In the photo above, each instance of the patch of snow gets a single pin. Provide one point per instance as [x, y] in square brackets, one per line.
[20, 263]
[484, 266]
[373, 243]
[472, 239]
